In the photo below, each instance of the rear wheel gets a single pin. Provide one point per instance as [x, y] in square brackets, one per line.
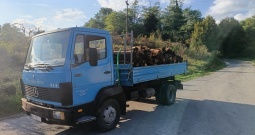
[157, 94]
[166, 94]
[108, 115]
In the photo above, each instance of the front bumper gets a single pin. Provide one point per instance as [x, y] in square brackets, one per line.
[46, 113]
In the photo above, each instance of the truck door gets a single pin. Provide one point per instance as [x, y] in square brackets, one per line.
[87, 80]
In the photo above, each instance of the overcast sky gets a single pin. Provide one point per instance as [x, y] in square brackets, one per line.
[52, 14]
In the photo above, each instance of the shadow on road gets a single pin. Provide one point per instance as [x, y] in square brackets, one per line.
[186, 116]
[240, 72]
[217, 117]
[196, 117]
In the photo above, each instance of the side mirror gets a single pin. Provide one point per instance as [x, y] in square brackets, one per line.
[93, 56]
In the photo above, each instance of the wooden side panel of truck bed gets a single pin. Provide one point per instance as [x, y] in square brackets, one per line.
[132, 75]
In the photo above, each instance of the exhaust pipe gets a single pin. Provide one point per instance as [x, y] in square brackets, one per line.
[147, 93]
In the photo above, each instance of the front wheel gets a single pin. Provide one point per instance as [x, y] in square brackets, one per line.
[108, 115]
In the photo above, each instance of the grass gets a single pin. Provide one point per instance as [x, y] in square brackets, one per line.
[201, 68]
[10, 105]
[252, 60]
[10, 94]
[197, 69]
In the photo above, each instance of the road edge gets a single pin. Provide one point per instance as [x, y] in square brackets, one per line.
[13, 116]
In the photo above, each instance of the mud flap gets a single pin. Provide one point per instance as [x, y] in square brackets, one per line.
[178, 84]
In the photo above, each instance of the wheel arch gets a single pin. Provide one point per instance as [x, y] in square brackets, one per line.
[115, 92]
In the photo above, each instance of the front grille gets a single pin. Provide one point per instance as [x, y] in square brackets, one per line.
[49, 94]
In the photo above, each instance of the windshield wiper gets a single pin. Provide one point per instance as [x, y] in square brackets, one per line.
[44, 66]
[28, 67]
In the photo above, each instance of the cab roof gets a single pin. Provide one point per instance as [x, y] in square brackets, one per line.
[80, 29]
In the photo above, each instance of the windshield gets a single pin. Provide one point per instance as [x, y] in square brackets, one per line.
[49, 49]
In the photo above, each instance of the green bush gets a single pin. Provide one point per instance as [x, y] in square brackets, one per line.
[10, 98]
[6, 79]
[198, 53]
[248, 52]
[9, 105]
[214, 62]
[8, 89]
[200, 61]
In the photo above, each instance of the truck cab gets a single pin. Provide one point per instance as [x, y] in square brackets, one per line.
[64, 71]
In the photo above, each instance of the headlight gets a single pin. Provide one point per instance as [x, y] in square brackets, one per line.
[58, 115]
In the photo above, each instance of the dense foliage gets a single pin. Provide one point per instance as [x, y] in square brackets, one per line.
[229, 37]
[14, 43]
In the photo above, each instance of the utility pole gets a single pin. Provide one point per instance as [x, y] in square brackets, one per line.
[127, 18]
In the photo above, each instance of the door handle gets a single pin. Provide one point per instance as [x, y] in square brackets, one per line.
[107, 72]
[77, 75]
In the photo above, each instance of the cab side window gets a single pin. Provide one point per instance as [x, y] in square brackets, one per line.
[97, 42]
[83, 43]
[79, 55]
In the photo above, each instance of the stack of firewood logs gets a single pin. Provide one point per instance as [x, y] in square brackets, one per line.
[144, 56]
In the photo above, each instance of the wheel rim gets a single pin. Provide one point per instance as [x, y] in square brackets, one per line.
[171, 95]
[109, 114]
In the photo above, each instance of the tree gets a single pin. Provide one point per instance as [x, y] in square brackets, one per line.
[151, 18]
[93, 23]
[99, 20]
[38, 31]
[210, 33]
[150, 23]
[173, 20]
[197, 35]
[13, 46]
[232, 44]
[191, 17]
[133, 13]
[135, 22]
[205, 33]
[249, 28]
[12, 33]
[115, 22]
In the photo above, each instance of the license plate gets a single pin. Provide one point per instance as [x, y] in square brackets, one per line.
[37, 118]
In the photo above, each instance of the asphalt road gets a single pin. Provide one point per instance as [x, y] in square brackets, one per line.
[222, 103]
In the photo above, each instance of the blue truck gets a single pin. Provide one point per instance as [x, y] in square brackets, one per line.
[73, 76]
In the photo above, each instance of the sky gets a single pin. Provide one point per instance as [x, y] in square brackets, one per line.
[53, 14]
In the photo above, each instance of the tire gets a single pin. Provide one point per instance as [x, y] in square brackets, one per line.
[157, 94]
[108, 115]
[166, 94]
